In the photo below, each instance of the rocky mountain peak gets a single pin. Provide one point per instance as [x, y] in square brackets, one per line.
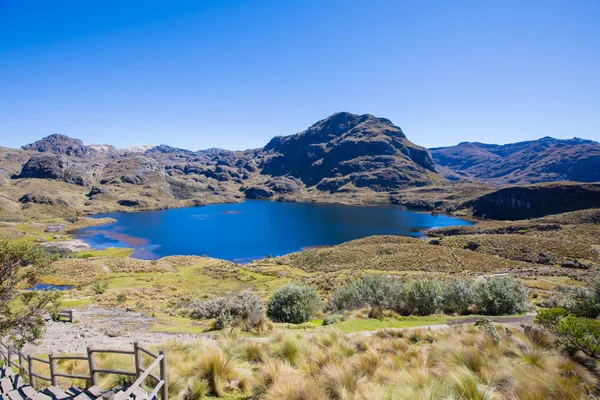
[64, 145]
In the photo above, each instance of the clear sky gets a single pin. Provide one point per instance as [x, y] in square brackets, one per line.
[233, 74]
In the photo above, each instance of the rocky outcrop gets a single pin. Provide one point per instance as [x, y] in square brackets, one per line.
[348, 148]
[522, 202]
[257, 193]
[543, 160]
[36, 198]
[54, 167]
[134, 169]
[64, 145]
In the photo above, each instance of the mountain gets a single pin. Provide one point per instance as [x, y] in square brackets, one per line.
[348, 149]
[543, 160]
[345, 156]
[64, 145]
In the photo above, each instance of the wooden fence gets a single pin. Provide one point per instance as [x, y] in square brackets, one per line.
[26, 367]
[65, 316]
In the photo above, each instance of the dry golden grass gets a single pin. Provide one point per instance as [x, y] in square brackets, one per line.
[394, 253]
[456, 363]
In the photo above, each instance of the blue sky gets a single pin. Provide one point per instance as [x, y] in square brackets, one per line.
[233, 74]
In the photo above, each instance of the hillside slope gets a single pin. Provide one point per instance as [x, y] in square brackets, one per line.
[354, 157]
[543, 160]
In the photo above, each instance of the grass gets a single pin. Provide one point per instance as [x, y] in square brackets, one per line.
[111, 252]
[360, 325]
[462, 362]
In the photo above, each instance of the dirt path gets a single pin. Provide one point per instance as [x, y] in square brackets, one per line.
[116, 328]
[100, 328]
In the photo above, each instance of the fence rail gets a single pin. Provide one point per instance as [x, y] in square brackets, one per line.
[26, 367]
[65, 316]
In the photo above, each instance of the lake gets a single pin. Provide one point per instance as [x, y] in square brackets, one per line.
[255, 229]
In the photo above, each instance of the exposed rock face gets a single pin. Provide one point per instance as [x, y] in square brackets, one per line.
[348, 148]
[521, 202]
[54, 167]
[36, 198]
[134, 169]
[64, 145]
[257, 193]
[543, 160]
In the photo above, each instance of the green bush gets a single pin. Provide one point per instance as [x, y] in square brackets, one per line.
[367, 291]
[500, 296]
[549, 318]
[579, 334]
[99, 287]
[459, 295]
[579, 301]
[244, 309]
[294, 304]
[332, 319]
[422, 297]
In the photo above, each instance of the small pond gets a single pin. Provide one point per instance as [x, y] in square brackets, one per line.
[45, 286]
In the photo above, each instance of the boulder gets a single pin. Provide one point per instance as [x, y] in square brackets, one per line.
[54, 167]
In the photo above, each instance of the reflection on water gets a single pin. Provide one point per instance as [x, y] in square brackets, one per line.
[255, 229]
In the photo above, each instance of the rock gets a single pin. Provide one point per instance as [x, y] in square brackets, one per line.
[569, 264]
[284, 185]
[54, 167]
[471, 246]
[64, 145]
[55, 228]
[129, 203]
[96, 192]
[258, 193]
[521, 202]
[36, 198]
[577, 264]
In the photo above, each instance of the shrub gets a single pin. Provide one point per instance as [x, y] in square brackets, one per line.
[294, 304]
[486, 326]
[121, 298]
[550, 318]
[458, 296]
[580, 334]
[500, 296]
[367, 291]
[99, 287]
[244, 309]
[422, 297]
[579, 301]
[332, 319]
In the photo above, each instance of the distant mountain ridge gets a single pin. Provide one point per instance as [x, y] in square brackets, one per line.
[543, 160]
[355, 158]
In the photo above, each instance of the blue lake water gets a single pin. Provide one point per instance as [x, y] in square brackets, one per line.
[255, 229]
[45, 286]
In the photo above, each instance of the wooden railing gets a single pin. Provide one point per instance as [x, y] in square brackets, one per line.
[26, 367]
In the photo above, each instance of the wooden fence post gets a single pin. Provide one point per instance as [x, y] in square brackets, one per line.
[8, 357]
[163, 375]
[92, 362]
[53, 377]
[31, 377]
[21, 363]
[138, 359]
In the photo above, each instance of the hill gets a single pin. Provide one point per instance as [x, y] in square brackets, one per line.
[543, 160]
[345, 157]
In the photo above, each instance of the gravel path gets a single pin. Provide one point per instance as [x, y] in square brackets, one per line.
[99, 327]
[115, 328]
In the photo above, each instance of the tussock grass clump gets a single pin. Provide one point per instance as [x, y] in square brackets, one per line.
[456, 363]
